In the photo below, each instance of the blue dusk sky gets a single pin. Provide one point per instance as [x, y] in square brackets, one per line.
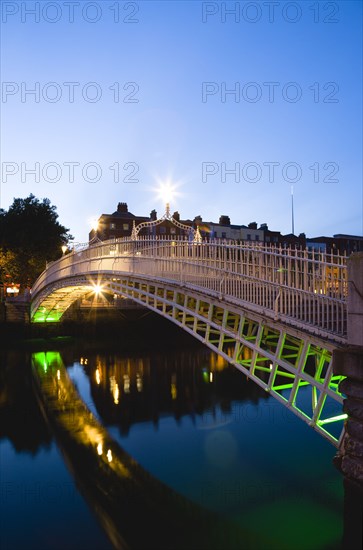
[232, 103]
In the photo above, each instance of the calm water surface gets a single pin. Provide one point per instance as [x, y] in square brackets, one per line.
[188, 419]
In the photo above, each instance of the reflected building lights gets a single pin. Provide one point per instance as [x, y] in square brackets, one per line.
[114, 390]
[116, 394]
[58, 374]
[173, 388]
[173, 391]
[139, 382]
[99, 449]
[130, 390]
[109, 455]
[217, 362]
[126, 383]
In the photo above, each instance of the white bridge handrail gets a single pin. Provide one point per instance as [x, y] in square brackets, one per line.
[304, 284]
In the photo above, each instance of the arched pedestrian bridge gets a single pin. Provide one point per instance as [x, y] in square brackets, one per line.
[276, 314]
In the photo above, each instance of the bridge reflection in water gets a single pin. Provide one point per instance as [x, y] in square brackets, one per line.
[135, 509]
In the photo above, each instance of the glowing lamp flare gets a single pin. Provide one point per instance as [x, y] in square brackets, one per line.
[97, 289]
[94, 223]
[166, 192]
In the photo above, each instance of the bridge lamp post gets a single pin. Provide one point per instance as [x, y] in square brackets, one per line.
[97, 289]
[166, 193]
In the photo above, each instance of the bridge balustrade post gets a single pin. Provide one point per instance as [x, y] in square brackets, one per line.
[349, 362]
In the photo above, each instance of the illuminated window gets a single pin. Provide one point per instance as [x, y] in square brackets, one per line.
[125, 227]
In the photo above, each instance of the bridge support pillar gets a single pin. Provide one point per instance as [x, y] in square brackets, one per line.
[349, 362]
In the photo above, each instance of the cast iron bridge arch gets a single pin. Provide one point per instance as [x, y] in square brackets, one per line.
[276, 314]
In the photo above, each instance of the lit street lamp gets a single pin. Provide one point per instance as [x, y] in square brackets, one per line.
[166, 193]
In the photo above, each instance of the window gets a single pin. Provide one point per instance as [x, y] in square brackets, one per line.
[112, 226]
[223, 234]
[257, 237]
[162, 230]
[172, 231]
[125, 226]
[248, 236]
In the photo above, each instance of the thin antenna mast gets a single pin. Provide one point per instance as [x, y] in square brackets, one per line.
[292, 211]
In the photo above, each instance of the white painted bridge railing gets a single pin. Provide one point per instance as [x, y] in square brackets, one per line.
[304, 287]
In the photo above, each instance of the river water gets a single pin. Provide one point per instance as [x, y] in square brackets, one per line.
[190, 420]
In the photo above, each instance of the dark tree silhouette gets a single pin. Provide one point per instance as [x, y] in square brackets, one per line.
[30, 235]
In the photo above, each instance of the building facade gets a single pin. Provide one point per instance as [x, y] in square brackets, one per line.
[118, 224]
[121, 222]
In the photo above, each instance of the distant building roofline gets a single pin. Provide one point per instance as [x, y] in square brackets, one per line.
[344, 236]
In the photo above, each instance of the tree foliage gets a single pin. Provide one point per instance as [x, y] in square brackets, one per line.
[30, 235]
